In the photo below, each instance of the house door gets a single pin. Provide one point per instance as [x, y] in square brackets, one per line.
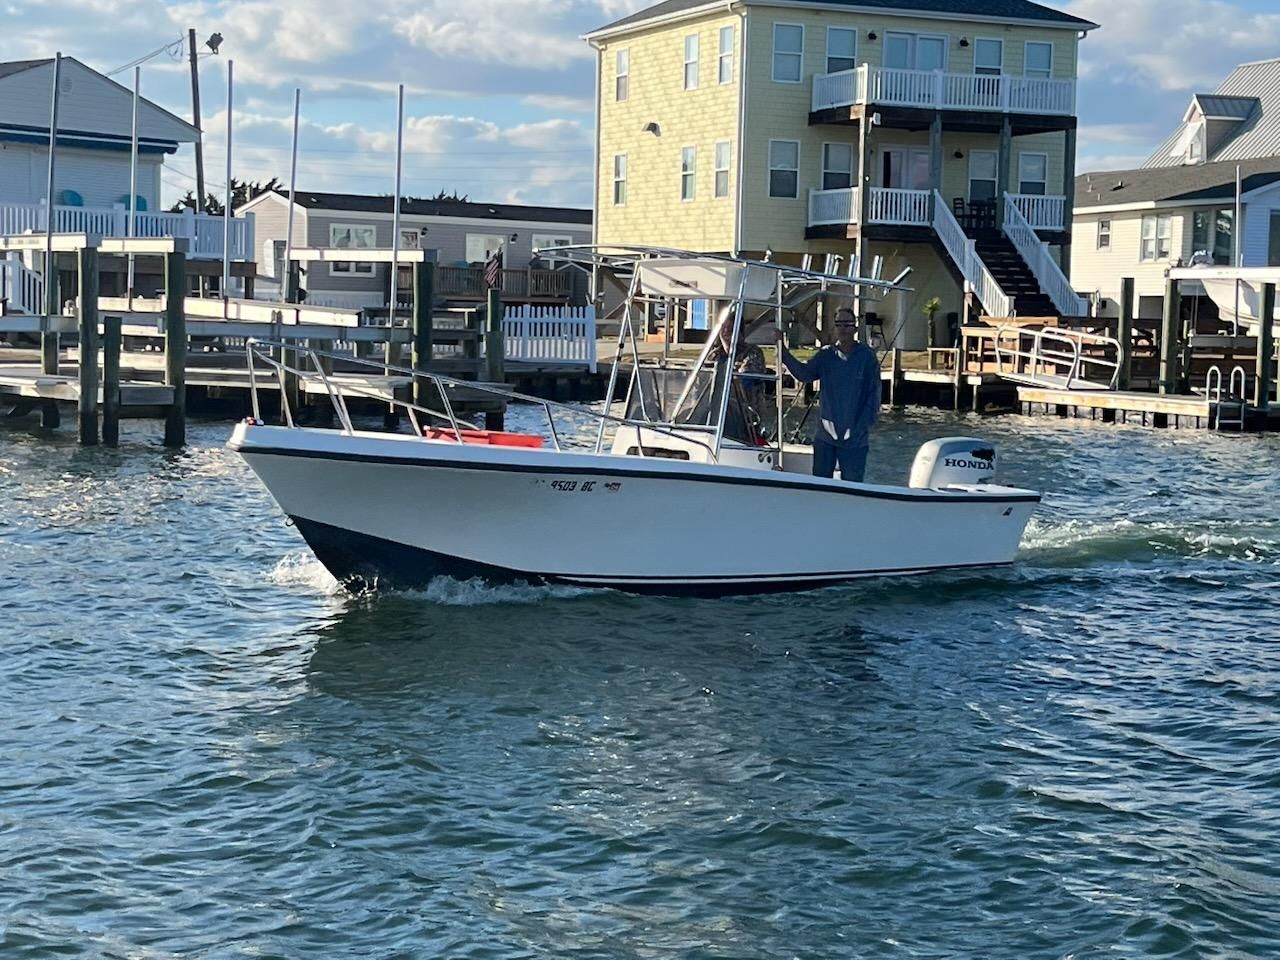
[1273, 250]
[915, 51]
[905, 168]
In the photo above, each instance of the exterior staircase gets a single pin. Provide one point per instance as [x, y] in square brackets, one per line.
[21, 290]
[1013, 274]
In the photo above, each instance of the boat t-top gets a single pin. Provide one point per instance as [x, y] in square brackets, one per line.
[687, 465]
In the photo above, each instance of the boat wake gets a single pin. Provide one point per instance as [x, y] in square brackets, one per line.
[449, 592]
[305, 571]
[1082, 543]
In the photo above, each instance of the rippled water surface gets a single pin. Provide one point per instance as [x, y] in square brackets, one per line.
[211, 751]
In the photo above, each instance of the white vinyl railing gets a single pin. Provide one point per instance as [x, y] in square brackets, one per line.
[833, 206]
[964, 254]
[21, 290]
[204, 231]
[1043, 267]
[892, 205]
[1042, 212]
[562, 335]
[937, 90]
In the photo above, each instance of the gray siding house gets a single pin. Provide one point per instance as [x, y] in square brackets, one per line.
[458, 235]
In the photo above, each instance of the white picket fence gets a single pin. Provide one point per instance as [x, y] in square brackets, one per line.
[550, 334]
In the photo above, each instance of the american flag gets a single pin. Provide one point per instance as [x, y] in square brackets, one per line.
[493, 269]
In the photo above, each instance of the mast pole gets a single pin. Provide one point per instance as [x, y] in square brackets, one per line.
[287, 266]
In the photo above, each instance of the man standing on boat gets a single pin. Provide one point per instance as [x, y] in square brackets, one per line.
[849, 402]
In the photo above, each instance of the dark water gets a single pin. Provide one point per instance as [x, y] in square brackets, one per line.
[208, 751]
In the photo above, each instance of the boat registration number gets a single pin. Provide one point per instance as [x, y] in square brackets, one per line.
[580, 486]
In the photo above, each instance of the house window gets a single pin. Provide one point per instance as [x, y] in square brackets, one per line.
[1157, 237]
[1104, 234]
[543, 242]
[725, 63]
[988, 57]
[688, 173]
[1039, 59]
[482, 246]
[784, 169]
[353, 236]
[842, 48]
[837, 166]
[622, 74]
[982, 175]
[1033, 173]
[788, 52]
[915, 51]
[410, 239]
[724, 152]
[620, 180]
[691, 62]
[1195, 149]
[1213, 233]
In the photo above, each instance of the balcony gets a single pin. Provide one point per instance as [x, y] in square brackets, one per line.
[910, 208]
[935, 90]
[204, 232]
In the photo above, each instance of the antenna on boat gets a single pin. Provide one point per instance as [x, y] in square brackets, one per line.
[226, 207]
[395, 214]
[287, 268]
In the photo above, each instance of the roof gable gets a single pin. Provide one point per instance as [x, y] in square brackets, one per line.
[89, 102]
[1023, 11]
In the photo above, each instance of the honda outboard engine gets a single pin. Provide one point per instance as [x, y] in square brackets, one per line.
[953, 461]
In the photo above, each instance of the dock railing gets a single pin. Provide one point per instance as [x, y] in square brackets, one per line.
[1038, 355]
[21, 289]
[560, 335]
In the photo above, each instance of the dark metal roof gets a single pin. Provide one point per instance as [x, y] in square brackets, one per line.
[18, 66]
[1207, 181]
[1225, 108]
[987, 9]
[358, 203]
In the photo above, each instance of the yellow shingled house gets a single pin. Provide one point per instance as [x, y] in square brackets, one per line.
[935, 134]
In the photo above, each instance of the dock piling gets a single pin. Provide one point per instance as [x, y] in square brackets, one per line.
[1124, 333]
[1263, 374]
[175, 347]
[1170, 333]
[111, 380]
[87, 401]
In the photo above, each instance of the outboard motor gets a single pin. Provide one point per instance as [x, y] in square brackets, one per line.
[951, 461]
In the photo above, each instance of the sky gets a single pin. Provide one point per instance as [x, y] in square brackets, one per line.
[499, 93]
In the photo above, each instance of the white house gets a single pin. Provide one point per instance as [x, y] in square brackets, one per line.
[1180, 205]
[91, 176]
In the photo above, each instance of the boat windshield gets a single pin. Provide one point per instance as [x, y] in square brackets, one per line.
[656, 393]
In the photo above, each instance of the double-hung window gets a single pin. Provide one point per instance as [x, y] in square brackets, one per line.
[1033, 174]
[620, 180]
[988, 57]
[788, 52]
[724, 154]
[837, 166]
[355, 236]
[621, 74]
[724, 64]
[983, 165]
[688, 173]
[1039, 60]
[1157, 237]
[842, 49]
[1104, 234]
[691, 62]
[784, 169]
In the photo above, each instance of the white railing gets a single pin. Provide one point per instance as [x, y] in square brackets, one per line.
[1042, 212]
[934, 89]
[891, 205]
[1043, 267]
[1051, 349]
[204, 231]
[562, 335]
[833, 206]
[21, 290]
[964, 255]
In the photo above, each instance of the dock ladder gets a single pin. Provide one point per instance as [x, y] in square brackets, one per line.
[1234, 400]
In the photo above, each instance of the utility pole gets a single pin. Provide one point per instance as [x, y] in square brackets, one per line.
[195, 110]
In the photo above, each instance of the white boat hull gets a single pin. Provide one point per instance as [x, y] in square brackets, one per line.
[399, 511]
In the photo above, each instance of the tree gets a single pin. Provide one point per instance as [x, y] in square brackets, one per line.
[455, 196]
[242, 191]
